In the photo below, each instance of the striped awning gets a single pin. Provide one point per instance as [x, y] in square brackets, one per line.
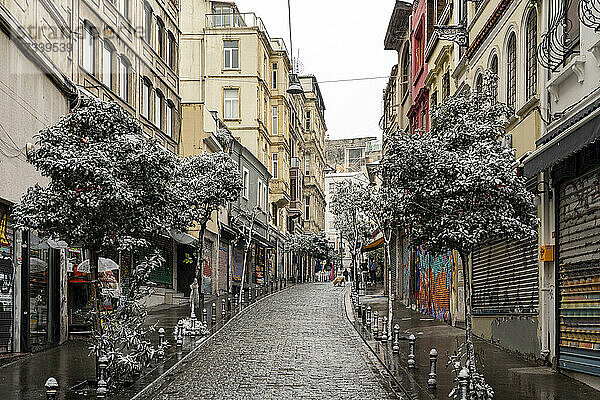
[373, 245]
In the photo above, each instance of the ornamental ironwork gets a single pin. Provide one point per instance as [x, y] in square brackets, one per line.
[589, 13]
[556, 44]
[452, 33]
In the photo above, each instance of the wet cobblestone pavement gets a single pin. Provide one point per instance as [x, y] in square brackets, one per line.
[294, 344]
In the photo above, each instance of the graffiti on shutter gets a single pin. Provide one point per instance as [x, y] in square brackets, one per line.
[579, 269]
[7, 275]
[223, 265]
[434, 283]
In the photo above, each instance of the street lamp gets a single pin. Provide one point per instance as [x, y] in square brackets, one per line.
[295, 87]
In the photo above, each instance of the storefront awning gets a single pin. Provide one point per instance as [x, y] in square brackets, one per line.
[373, 245]
[563, 144]
[182, 237]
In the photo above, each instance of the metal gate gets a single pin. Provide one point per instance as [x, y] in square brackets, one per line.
[579, 273]
[223, 266]
[505, 278]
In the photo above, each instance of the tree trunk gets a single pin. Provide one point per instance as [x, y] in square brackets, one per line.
[243, 274]
[464, 257]
[389, 284]
[94, 289]
[200, 265]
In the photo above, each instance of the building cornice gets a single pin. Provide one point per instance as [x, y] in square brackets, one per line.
[488, 27]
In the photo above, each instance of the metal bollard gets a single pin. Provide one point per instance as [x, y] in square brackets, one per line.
[229, 305]
[384, 334]
[261, 292]
[223, 310]
[180, 334]
[204, 316]
[368, 317]
[376, 325]
[213, 314]
[250, 295]
[463, 383]
[102, 387]
[396, 346]
[432, 381]
[51, 388]
[364, 314]
[161, 341]
[411, 351]
[257, 291]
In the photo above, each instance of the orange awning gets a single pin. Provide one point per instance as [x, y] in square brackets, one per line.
[373, 245]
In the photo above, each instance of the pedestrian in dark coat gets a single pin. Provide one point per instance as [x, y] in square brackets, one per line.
[346, 275]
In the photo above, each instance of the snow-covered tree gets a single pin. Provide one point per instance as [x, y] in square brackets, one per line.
[350, 219]
[458, 182]
[245, 224]
[109, 185]
[205, 183]
[380, 204]
[312, 243]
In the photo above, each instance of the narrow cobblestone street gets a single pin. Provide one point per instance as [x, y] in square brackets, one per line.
[295, 344]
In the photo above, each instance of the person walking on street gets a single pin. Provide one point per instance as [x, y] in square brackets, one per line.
[345, 275]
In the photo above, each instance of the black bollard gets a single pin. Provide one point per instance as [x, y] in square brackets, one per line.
[432, 381]
[51, 389]
[213, 314]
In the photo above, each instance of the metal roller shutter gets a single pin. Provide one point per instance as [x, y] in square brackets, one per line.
[505, 278]
[579, 273]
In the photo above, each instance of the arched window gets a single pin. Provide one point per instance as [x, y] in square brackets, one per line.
[147, 23]
[405, 68]
[531, 48]
[170, 110]
[160, 37]
[146, 90]
[494, 70]
[124, 69]
[479, 83]
[511, 71]
[170, 50]
[159, 99]
[108, 52]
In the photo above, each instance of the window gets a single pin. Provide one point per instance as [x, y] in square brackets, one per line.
[124, 8]
[124, 78]
[265, 197]
[89, 47]
[354, 159]
[307, 164]
[275, 121]
[246, 183]
[274, 213]
[232, 52]
[479, 83]
[274, 76]
[223, 17]
[307, 121]
[275, 157]
[511, 71]
[259, 191]
[494, 69]
[147, 23]
[433, 100]
[170, 50]
[405, 71]
[446, 86]
[169, 118]
[531, 62]
[160, 38]
[107, 63]
[158, 103]
[146, 97]
[307, 208]
[231, 103]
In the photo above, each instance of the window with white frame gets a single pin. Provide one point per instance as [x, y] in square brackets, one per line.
[259, 193]
[124, 8]
[307, 121]
[307, 164]
[307, 208]
[275, 157]
[274, 76]
[231, 103]
[246, 176]
[232, 54]
[89, 47]
[158, 103]
[169, 119]
[124, 78]
[265, 197]
[511, 71]
[146, 97]
[275, 121]
[223, 16]
[107, 64]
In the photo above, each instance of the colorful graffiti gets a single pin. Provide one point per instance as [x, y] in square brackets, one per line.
[434, 283]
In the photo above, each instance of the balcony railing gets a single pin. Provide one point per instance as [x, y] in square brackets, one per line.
[243, 20]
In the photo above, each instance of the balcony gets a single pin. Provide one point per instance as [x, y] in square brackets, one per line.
[296, 183]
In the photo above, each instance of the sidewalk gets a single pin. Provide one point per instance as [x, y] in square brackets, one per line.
[510, 376]
[70, 364]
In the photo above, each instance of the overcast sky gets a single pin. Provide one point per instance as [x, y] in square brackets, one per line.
[337, 39]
